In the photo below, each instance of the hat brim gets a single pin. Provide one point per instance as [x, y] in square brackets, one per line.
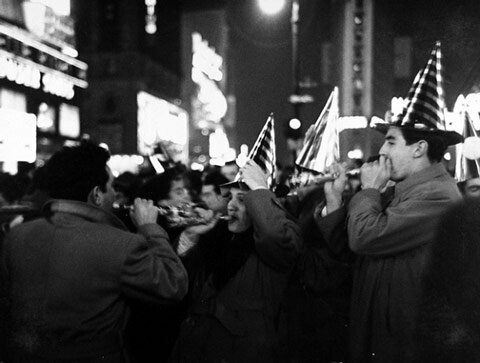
[237, 184]
[450, 137]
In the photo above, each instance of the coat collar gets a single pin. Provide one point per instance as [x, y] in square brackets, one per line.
[83, 210]
[420, 177]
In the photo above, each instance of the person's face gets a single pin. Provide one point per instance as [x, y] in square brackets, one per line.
[178, 192]
[107, 198]
[239, 219]
[472, 188]
[230, 171]
[214, 201]
[400, 154]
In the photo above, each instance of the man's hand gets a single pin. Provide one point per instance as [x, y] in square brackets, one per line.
[376, 174]
[144, 212]
[334, 189]
[254, 176]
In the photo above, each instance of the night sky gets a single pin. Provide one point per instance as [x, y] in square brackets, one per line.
[260, 61]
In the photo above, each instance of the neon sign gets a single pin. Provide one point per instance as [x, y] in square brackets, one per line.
[28, 75]
[205, 59]
[22, 74]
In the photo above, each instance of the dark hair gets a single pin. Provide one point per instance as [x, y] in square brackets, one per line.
[436, 144]
[158, 187]
[128, 184]
[73, 172]
[216, 179]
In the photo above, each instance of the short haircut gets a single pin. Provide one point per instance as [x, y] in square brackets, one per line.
[158, 187]
[437, 146]
[216, 179]
[73, 172]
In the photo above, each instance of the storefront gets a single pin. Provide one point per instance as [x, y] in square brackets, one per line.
[40, 85]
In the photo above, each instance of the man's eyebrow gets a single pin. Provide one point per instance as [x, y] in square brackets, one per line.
[389, 137]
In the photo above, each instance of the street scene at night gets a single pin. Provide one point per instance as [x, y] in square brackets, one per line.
[239, 181]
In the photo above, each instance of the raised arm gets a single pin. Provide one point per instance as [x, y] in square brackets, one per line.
[277, 238]
[152, 270]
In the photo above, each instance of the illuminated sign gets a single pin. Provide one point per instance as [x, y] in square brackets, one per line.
[50, 20]
[18, 136]
[30, 76]
[58, 85]
[205, 59]
[23, 74]
[160, 121]
[69, 121]
[25, 59]
[208, 103]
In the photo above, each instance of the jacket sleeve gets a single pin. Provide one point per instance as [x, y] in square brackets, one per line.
[333, 229]
[277, 238]
[409, 224]
[324, 261]
[151, 270]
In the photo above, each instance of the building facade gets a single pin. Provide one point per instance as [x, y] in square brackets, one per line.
[41, 81]
[133, 103]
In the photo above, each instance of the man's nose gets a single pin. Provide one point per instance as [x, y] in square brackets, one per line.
[382, 150]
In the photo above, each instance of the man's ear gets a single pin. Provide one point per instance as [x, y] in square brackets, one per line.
[420, 149]
[95, 197]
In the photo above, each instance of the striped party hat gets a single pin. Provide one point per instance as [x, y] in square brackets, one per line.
[425, 108]
[322, 147]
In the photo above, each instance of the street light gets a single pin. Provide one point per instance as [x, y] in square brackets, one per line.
[271, 7]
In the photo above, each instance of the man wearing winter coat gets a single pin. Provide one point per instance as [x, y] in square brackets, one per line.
[67, 278]
[391, 238]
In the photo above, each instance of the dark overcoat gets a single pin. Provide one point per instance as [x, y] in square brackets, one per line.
[66, 280]
[391, 242]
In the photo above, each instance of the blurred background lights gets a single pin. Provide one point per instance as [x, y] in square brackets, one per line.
[271, 7]
[60, 7]
[294, 123]
[355, 154]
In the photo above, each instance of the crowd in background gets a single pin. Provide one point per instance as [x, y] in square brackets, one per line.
[279, 279]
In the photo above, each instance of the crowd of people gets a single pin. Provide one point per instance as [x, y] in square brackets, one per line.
[376, 267]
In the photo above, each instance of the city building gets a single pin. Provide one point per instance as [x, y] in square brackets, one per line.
[41, 81]
[133, 104]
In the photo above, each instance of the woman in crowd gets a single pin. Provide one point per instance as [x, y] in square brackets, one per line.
[234, 314]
